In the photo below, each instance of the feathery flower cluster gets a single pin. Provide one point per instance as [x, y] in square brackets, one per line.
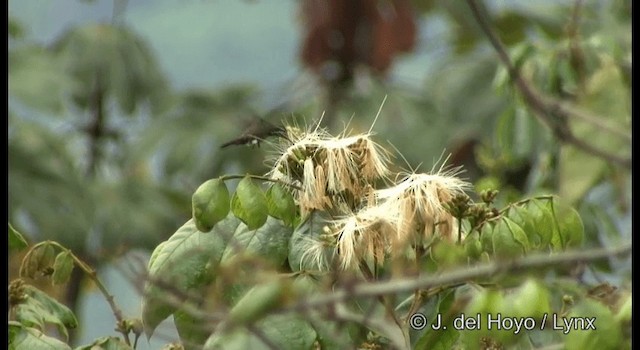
[338, 174]
[334, 172]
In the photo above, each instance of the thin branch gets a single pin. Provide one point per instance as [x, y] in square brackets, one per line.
[117, 313]
[550, 111]
[462, 275]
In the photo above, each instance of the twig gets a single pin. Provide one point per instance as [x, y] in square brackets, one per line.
[550, 111]
[117, 313]
[462, 275]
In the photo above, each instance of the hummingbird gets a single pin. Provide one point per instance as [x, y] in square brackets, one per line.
[256, 131]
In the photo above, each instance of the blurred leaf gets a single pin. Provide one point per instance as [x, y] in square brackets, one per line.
[114, 61]
[606, 335]
[249, 204]
[62, 268]
[16, 29]
[569, 224]
[27, 338]
[16, 240]
[185, 261]
[287, 332]
[35, 78]
[39, 309]
[193, 331]
[609, 99]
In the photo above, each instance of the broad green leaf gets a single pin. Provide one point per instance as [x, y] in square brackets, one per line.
[286, 332]
[270, 242]
[39, 309]
[27, 338]
[210, 204]
[193, 331]
[280, 204]
[507, 239]
[530, 300]
[308, 249]
[473, 246]
[16, 240]
[106, 343]
[249, 204]
[518, 233]
[569, 224]
[62, 268]
[187, 260]
[537, 222]
[606, 335]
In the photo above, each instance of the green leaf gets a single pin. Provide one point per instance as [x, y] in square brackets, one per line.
[442, 338]
[486, 237]
[62, 268]
[280, 204]
[193, 331]
[508, 239]
[210, 204]
[39, 309]
[518, 233]
[187, 260]
[537, 222]
[607, 333]
[27, 338]
[530, 300]
[16, 240]
[270, 242]
[106, 343]
[569, 224]
[249, 204]
[286, 332]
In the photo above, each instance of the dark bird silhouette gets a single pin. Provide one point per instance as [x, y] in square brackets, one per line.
[256, 131]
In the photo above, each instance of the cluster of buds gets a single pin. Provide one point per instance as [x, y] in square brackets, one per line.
[338, 174]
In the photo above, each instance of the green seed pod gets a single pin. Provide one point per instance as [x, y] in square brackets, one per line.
[210, 204]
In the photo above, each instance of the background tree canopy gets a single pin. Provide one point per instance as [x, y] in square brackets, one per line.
[117, 111]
